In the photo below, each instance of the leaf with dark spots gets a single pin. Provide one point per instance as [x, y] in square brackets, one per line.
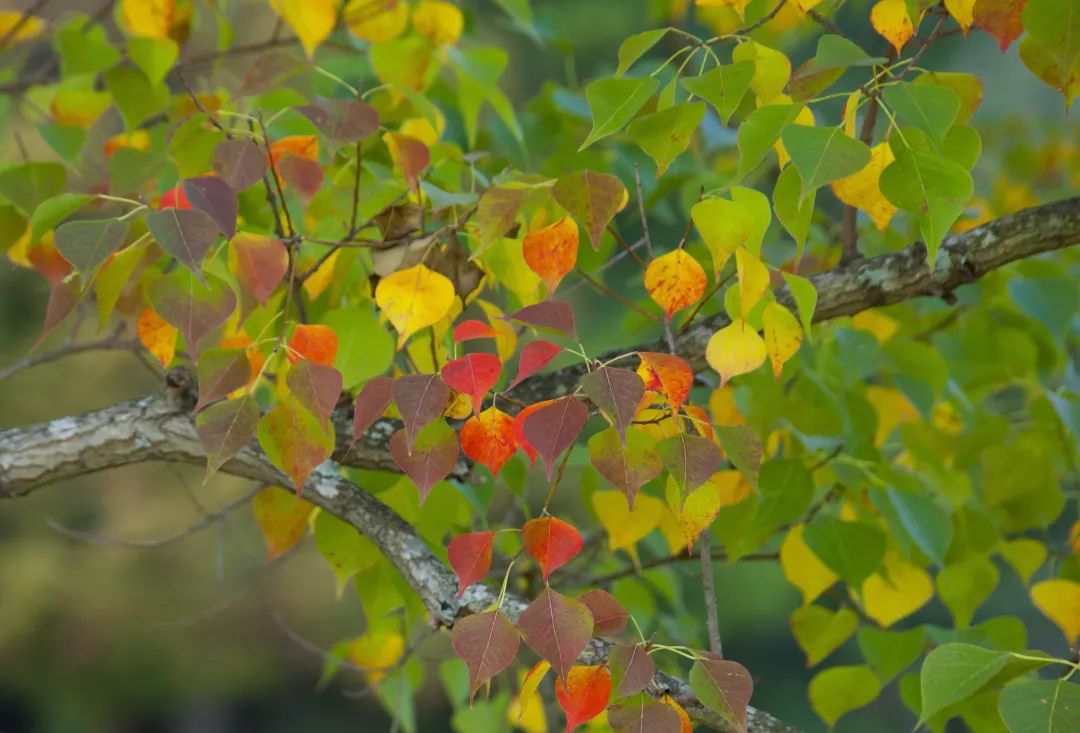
[225, 428]
[557, 628]
[220, 372]
[554, 314]
[317, 386]
[215, 198]
[553, 428]
[86, 243]
[240, 163]
[420, 399]
[371, 403]
[668, 374]
[434, 455]
[690, 459]
[617, 392]
[609, 617]
[185, 234]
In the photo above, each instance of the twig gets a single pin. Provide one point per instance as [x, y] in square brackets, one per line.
[612, 294]
[760, 21]
[611, 262]
[626, 247]
[641, 211]
[707, 297]
[824, 22]
[558, 477]
[677, 558]
[708, 582]
[310, 646]
[112, 343]
[23, 20]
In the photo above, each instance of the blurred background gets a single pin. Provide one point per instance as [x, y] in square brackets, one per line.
[200, 634]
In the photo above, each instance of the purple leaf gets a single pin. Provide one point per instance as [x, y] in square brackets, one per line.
[487, 643]
[240, 163]
[557, 628]
[617, 392]
[371, 403]
[346, 120]
[195, 308]
[224, 429]
[220, 372]
[691, 459]
[213, 197]
[553, 428]
[434, 455]
[632, 669]
[609, 617]
[420, 399]
[186, 234]
[316, 386]
[554, 314]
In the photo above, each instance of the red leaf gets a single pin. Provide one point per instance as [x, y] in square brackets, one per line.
[220, 372]
[474, 375]
[668, 374]
[519, 428]
[487, 643]
[473, 329]
[433, 456]
[240, 163]
[225, 428]
[690, 459]
[174, 198]
[617, 392]
[534, 356]
[553, 314]
[314, 342]
[305, 175]
[488, 438]
[317, 386]
[259, 263]
[371, 403]
[557, 628]
[723, 686]
[420, 399]
[632, 668]
[1001, 19]
[553, 428]
[552, 542]
[470, 557]
[585, 694]
[213, 197]
[643, 714]
[609, 617]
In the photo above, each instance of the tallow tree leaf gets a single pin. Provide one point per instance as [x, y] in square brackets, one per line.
[727, 224]
[433, 455]
[628, 463]
[552, 314]
[613, 102]
[735, 349]
[240, 163]
[535, 355]
[617, 392]
[853, 550]
[420, 399]
[665, 135]
[185, 234]
[551, 252]
[823, 154]
[552, 542]
[488, 438]
[723, 87]
[259, 263]
[642, 713]
[294, 440]
[724, 686]
[311, 20]
[668, 374]
[470, 557]
[632, 668]
[592, 198]
[156, 335]
[584, 694]
[283, 519]
[317, 387]
[87, 243]
[313, 341]
[413, 299]
[215, 198]
[220, 372]
[196, 308]
[820, 631]
[557, 628]
[674, 281]
[474, 375]
[837, 691]
[609, 616]
[371, 402]
[690, 459]
[1045, 706]
[497, 210]
[345, 120]
[553, 428]
[225, 428]
[487, 643]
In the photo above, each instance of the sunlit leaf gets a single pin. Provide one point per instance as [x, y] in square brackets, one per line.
[488, 438]
[413, 299]
[552, 542]
[674, 281]
[584, 695]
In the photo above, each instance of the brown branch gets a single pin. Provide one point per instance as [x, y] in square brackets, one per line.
[720, 555]
[112, 343]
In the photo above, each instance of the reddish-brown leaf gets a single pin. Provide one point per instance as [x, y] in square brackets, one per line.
[628, 464]
[553, 428]
[668, 374]
[474, 375]
[63, 298]
[632, 668]
[185, 234]
[213, 196]
[554, 314]
[317, 386]
[551, 252]
[591, 198]
[690, 459]
[519, 428]
[345, 120]
[220, 372]
[371, 403]
[470, 557]
[585, 694]
[434, 455]
[193, 307]
[609, 617]
[410, 156]
[314, 342]
[497, 210]
[723, 686]
[557, 628]
[224, 429]
[259, 263]
[488, 438]
[420, 399]
[487, 643]
[552, 542]
[643, 714]
[617, 392]
[1001, 19]
[473, 329]
[306, 176]
[534, 356]
[240, 163]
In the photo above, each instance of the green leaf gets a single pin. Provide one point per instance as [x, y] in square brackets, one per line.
[365, 347]
[86, 243]
[636, 46]
[794, 211]
[805, 295]
[723, 686]
[927, 523]
[1051, 48]
[723, 87]
[839, 690]
[823, 154]
[786, 488]
[759, 131]
[66, 140]
[52, 211]
[852, 550]
[83, 47]
[819, 631]
[136, 97]
[834, 55]
[931, 108]
[965, 585]
[953, 672]
[962, 145]
[477, 72]
[344, 549]
[1049, 706]
[29, 184]
[613, 102]
[192, 147]
[1025, 556]
[726, 225]
[890, 652]
[155, 56]
[666, 134]
[743, 448]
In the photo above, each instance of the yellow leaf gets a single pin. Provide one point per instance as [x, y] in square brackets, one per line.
[851, 109]
[157, 336]
[805, 5]
[422, 128]
[783, 335]
[505, 335]
[1059, 600]
[27, 29]
[804, 117]
[440, 21]
[863, 191]
[319, 281]
[283, 518]
[674, 281]
[526, 710]
[739, 6]
[890, 18]
[897, 591]
[753, 279]
[149, 18]
[414, 299]
[963, 11]
[311, 20]
[657, 422]
[802, 567]
[625, 527]
[376, 653]
[698, 510]
[892, 409]
[376, 21]
[881, 326]
[772, 69]
[735, 349]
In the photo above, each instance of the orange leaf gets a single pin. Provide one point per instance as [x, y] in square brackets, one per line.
[551, 252]
[488, 438]
[666, 373]
[410, 156]
[585, 694]
[684, 719]
[283, 518]
[552, 542]
[674, 281]
[519, 428]
[473, 329]
[157, 336]
[314, 342]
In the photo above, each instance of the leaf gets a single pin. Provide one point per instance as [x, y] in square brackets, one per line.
[802, 568]
[783, 335]
[699, 508]
[1059, 601]
[665, 135]
[433, 456]
[213, 197]
[225, 428]
[87, 243]
[413, 299]
[666, 373]
[853, 550]
[834, 55]
[473, 375]
[723, 87]
[313, 341]
[345, 120]
[820, 631]
[823, 154]
[929, 107]
[294, 440]
[52, 211]
[472, 329]
[925, 521]
[1049, 706]
[221, 371]
[1051, 48]
[240, 163]
[470, 557]
[440, 21]
[724, 686]
[553, 314]
[376, 27]
[317, 387]
[636, 46]
[735, 349]
[965, 585]
[259, 263]
[753, 280]
[535, 355]
[365, 346]
[760, 131]
[29, 185]
[497, 210]
[553, 428]
[311, 20]
[629, 462]
[371, 403]
[591, 198]
[196, 308]
[1025, 556]
[890, 652]
[185, 234]
[420, 399]
[805, 295]
[282, 517]
[954, 672]
[643, 714]
[613, 102]
[890, 19]
[1001, 19]
[410, 156]
[863, 189]
[794, 212]
[552, 542]
[345, 550]
[839, 690]
[690, 459]
[155, 57]
[632, 669]
[557, 628]
[674, 281]
[148, 18]
[488, 438]
[157, 336]
[609, 617]
[551, 252]
[896, 591]
[16, 27]
[625, 526]
[487, 643]
[617, 392]
[585, 694]
[726, 225]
